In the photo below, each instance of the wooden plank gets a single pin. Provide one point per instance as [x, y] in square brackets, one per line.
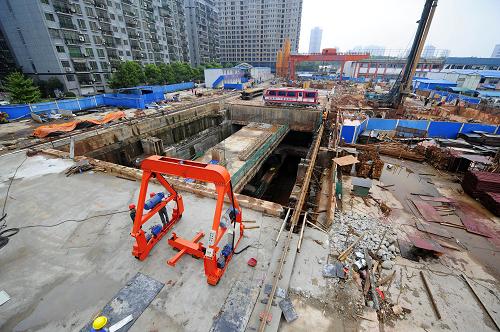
[480, 301]
[431, 297]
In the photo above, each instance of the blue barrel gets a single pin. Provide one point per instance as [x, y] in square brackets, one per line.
[154, 201]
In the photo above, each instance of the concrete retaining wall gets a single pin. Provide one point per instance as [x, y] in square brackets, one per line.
[297, 119]
[172, 128]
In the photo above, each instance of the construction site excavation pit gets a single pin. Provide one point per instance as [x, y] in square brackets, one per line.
[275, 180]
[262, 158]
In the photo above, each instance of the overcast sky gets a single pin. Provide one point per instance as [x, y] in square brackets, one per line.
[465, 27]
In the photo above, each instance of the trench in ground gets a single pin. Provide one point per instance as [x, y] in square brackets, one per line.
[276, 178]
[273, 181]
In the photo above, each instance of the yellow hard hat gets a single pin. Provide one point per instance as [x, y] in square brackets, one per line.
[99, 322]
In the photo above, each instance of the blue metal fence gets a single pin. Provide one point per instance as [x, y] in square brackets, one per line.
[435, 129]
[137, 97]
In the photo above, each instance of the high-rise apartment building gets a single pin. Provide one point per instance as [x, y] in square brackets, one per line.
[496, 51]
[202, 25]
[429, 51]
[7, 61]
[254, 30]
[81, 41]
[315, 40]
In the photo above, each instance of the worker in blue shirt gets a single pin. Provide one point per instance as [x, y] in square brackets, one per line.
[162, 213]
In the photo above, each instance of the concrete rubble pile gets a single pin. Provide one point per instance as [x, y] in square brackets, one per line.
[365, 249]
[379, 239]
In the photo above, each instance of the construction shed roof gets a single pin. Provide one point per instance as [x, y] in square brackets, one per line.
[431, 81]
[472, 61]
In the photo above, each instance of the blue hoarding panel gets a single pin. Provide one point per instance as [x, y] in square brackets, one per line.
[347, 133]
[416, 124]
[382, 124]
[470, 127]
[441, 129]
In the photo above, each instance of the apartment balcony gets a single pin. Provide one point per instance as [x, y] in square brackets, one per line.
[101, 4]
[128, 14]
[133, 35]
[67, 25]
[137, 55]
[73, 41]
[135, 47]
[64, 9]
[85, 79]
[107, 32]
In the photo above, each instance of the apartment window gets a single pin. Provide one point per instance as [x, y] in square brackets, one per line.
[89, 11]
[54, 33]
[112, 16]
[93, 26]
[75, 51]
[70, 78]
[104, 65]
[120, 18]
[93, 65]
[65, 22]
[89, 52]
[81, 24]
[60, 49]
[65, 64]
[49, 17]
[97, 78]
[100, 53]
[45, 1]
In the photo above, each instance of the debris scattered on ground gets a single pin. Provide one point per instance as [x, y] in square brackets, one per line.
[81, 166]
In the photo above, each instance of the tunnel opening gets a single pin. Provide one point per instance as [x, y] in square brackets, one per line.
[276, 178]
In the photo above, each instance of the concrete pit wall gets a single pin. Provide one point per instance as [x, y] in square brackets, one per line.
[120, 144]
[196, 145]
[298, 119]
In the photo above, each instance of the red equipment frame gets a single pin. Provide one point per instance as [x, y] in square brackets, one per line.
[328, 54]
[155, 166]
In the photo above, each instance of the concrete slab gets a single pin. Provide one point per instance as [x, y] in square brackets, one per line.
[60, 277]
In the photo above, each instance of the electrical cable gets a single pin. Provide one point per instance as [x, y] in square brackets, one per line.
[4, 239]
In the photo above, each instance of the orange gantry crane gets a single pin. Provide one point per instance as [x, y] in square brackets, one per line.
[286, 62]
[215, 259]
[327, 55]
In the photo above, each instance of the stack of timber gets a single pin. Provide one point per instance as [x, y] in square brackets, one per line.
[397, 150]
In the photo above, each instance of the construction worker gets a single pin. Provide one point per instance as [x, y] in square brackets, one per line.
[131, 208]
[162, 213]
[98, 325]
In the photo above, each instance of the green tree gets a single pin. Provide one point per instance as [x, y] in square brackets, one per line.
[228, 65]
[21, 89]
[201, 73]
[167, 73]
[152, 74]
[182, 71]
[128, 74]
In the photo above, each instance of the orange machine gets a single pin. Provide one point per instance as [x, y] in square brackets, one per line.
[215, 259]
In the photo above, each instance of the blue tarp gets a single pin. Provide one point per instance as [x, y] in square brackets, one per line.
[136, 97]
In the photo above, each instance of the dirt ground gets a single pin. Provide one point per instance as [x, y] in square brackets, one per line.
[477, 258]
